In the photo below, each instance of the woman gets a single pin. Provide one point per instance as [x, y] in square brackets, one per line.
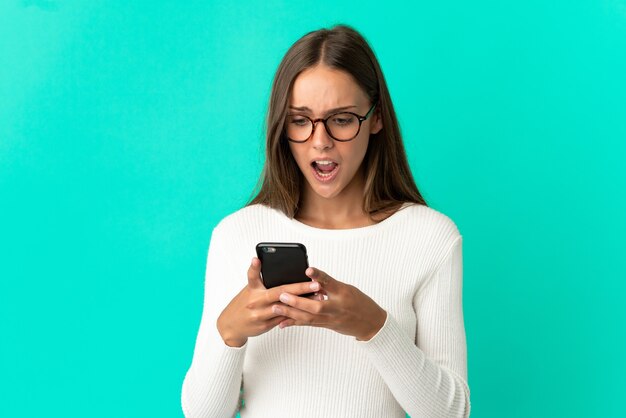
[384, 332]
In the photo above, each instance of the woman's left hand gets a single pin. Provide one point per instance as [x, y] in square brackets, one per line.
[347, 310]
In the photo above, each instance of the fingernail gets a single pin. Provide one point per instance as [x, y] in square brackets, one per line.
[309, 271]
[315, 286]
[284, 297]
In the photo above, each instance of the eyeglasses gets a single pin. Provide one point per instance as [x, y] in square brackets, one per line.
[343, 126]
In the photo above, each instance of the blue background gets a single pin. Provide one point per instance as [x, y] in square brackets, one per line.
[129, 129]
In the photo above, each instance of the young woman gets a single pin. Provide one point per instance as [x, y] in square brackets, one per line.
[384, 332]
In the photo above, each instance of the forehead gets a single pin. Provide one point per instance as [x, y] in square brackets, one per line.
[321, 88]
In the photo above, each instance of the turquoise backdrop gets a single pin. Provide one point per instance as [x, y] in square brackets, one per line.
[129, 129]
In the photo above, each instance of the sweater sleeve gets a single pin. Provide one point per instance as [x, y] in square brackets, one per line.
[211, 387]
[428, 377]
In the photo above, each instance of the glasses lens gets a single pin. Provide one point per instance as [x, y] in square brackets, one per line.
[298, 128]
[343, 126]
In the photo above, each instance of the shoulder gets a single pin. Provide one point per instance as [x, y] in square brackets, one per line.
[247, 218]
[426, 220]
[429, 218]
[433, 234]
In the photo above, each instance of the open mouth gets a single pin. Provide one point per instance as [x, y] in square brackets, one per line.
[324, 170]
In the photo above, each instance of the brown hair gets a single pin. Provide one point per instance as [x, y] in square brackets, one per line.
[388, 178]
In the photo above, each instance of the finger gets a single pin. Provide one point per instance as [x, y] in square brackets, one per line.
[319, 295]
[315, 296]
[325, 280]
[267, 315]
[293, 288]
[254, 274]
[293, 313]
[286, 323]
[313, 307]
[271, 323]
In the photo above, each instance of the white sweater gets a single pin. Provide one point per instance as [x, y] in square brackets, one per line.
[410, 264]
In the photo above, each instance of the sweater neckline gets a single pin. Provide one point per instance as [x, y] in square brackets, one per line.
[346, 232]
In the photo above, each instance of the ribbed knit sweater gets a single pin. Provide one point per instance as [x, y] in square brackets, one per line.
[410, 264]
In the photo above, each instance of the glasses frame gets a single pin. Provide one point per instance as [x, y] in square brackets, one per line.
[323, 120]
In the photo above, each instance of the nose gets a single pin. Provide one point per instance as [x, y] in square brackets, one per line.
[320, 138]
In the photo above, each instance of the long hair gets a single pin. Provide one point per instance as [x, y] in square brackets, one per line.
[388, 178]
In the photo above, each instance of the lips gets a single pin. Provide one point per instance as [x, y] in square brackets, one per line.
[324, 170]
[322, 159]
[325, 167]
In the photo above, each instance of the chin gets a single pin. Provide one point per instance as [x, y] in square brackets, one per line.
[327, 191]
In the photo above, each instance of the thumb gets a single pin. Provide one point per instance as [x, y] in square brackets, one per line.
[324, 279]
[254, 274]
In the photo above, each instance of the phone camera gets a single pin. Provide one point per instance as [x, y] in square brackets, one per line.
[269, 249]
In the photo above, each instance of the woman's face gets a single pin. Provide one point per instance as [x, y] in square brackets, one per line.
[321, 89]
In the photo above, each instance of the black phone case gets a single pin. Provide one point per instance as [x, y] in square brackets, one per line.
[283, 263]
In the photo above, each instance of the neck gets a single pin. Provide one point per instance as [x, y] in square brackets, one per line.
[340, 212]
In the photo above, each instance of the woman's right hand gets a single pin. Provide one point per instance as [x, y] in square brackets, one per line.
[250, 312]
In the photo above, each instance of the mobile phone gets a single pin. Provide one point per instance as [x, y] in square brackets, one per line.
[283, 263]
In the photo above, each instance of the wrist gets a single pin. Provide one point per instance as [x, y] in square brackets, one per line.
[228, 337]
[377, 325]
[235, 342]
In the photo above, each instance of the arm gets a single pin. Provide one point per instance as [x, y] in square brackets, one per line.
[428, 377]
[212, 384]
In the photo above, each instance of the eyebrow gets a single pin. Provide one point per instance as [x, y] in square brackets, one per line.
[336, 109]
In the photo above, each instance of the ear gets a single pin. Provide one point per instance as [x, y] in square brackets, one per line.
[377, 122]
